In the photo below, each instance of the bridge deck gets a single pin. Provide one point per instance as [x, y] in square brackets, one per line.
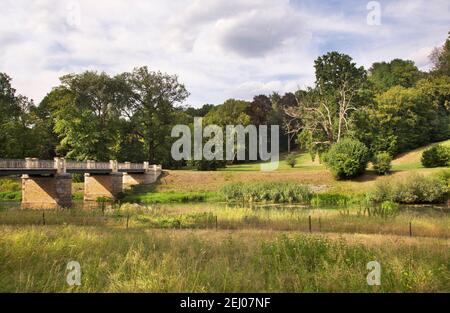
[60, 165]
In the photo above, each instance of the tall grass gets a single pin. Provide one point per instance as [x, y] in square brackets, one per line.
[386, 219]
[415, 188]
[170, 197]
[277, 192]
[34, 259]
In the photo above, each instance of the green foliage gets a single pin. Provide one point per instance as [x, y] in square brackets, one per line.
[291, 159]
[382, 162]
[10, 190]
[192, 220]
[347, 158]
[440, 58]
[169, 197]
[11, 196]
[444, 175]
[327, 110]
[199, 112]
[16, 135]
[78, 196]
[330, 199]
[436, 156]
[267, 192]
[414, 189]
[207, 165]
[385, 209]
[7, 185]
[403, 119]
[397, 72]
[150, 105]
[231, 112]
[87, 116]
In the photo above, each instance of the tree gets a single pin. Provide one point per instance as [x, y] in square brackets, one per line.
[87, 116]
[384, 75]
[440, 57]
[259, 110]
[325, 111]
[15, 138]
[199, 112]
[231, 112]
[406, 118]
[45, 140]
[149, 106]
[291, 122]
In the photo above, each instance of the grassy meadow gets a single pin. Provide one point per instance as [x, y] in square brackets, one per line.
[119, 260]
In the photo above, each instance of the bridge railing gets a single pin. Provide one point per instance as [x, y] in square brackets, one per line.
[131, 166]
[10, 163]
[76, 165]
[62, 165]
[43, 164]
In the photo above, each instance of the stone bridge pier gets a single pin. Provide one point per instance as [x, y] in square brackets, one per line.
[46, 192]
[150, 175]
[103, 185]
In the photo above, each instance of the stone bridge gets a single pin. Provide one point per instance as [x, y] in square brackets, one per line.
[47, 184]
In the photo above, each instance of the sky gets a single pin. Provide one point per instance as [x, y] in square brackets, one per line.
[219, 49]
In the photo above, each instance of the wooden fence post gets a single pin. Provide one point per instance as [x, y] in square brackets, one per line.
[310, 226]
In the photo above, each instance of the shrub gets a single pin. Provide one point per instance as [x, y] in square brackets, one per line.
[436, 156]
[10, 185]
[291, 160]
[10, 196]
[385, 209]
[267, 192]
[382, 162]
[329, 199]
[347, 158]
[415, 188]
[206, 165]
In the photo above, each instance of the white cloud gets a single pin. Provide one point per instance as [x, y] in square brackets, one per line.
[219, 49]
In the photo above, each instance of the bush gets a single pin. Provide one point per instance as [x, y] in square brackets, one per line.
[10, 196]
[414, 189]
[436, 156]
[291, 160]
[267, 192]
[206, 165]
[10, 185]
[382, 163]
[347, 158]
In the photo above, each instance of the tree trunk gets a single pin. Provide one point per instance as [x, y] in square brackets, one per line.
[289, 143]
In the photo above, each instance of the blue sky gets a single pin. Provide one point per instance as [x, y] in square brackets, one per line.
[219, 49]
